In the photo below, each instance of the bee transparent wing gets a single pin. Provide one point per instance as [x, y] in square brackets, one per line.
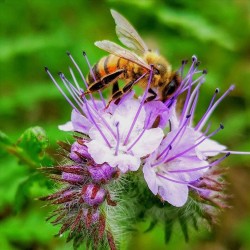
[119, 51]
[127, 34]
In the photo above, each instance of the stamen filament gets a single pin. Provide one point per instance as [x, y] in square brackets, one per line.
[177, 134]
[118, 138]
[209, 107]
[195, 145]
[200, 168]
[141, 134]
[141, 104]
[93, 120]
[92, 73]
[205, 118]
[82, 76]
[60, 89]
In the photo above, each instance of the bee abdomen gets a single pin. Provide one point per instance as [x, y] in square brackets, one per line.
[107, 65]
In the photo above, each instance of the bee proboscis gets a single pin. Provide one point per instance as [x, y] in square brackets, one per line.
[130, 65]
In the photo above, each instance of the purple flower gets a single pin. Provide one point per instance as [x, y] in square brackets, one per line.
[120, 150]
[183, 155]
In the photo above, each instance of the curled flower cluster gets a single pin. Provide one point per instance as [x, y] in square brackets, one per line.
[129, 140]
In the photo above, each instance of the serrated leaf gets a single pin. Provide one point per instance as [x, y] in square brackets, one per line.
[34, 141]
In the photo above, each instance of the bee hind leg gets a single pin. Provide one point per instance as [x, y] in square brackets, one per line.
[116, 96]
[115, 88]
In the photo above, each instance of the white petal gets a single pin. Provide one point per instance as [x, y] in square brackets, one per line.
[99, 152]
[210, 145]
[68, 126]
[80, 122]
[174, 193]
[187, 163]
[148, 143]
[95, 133]
[125, 162]
[150, 178]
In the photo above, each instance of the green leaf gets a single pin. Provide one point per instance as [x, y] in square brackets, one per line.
[34, 141]
[4, 139]
[25, 190]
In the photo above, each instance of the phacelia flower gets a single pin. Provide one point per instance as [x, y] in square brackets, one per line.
[174, 157]
[183, 155]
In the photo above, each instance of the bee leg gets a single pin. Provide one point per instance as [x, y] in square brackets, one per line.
[128, 87]
[115, 88]
[104, 82]
[118, 94]
[115, 97]
[152, 97]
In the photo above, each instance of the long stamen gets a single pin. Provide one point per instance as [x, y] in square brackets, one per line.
[118, 138]
[93, 75]
[93, 120]
[177, 134]
[195, 145]
[200, 168]
[163, 158]
[228, 151]
[173, 180]
[140, 107]
[60, 89]
[104, 121]
[68, 85]
[82, 76]
[205, 118]
[186, 101]
[74, 79]
[209, 107]
[141, 134]
[192, 111]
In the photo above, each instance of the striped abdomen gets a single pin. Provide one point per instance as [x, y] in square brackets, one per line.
[108, 65]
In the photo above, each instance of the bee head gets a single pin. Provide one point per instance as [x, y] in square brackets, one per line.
[160, 69]
[170, 88]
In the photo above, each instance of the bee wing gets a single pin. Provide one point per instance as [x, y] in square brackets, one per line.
[119, 51]
[127, 34]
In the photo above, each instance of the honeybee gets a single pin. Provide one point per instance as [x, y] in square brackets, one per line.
[130, 65]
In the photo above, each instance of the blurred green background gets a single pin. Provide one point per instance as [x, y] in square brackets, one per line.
[37, 33]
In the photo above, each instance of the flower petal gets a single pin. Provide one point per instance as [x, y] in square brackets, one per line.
[150, 178]
[174, 193]
[68, 126]
[125, 162]
[99, 151]
[148, 143]
[80, 122]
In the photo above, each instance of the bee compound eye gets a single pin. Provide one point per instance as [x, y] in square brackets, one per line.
[170, 88]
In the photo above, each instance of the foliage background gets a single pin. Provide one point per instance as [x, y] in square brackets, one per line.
[37, 33]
